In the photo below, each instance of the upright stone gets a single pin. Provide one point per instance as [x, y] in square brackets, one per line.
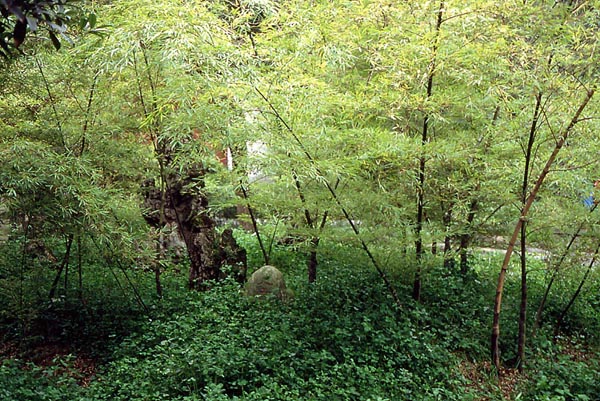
[268, 280]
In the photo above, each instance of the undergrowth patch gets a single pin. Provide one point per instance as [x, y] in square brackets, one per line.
[341, 338]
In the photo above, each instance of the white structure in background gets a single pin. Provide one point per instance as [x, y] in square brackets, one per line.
[229, 159]
[257, 150]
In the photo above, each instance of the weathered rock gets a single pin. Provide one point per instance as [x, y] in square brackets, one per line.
[185, 204]
[268, 280]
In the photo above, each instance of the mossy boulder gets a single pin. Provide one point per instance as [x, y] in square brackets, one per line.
[268, 280]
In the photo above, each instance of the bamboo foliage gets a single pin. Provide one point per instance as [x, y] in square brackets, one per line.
[416, 116]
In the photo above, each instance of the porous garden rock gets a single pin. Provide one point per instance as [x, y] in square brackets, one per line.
[268, 280]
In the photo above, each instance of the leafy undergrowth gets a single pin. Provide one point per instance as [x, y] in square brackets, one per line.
[342, 338]
[571, 372]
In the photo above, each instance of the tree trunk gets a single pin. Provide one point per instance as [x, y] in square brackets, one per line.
[312, 260]
[523, 306]
[538, 315]
[201, 250]
[562, 315]
[448, 257]
[314, 241]
[524, 188]
[416, 294]
[79, 270]
[64, 263]
[263, 249]
[495, 349]
[188, 208]
[196, 228]
[465, 238]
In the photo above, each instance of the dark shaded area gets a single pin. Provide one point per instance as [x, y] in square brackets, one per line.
[17, 17]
